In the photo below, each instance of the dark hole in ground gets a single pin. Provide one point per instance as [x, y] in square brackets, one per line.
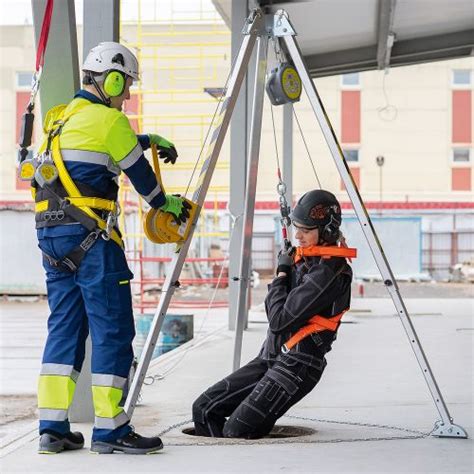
[277, 432]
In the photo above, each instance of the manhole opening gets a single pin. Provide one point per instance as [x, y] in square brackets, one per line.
[277, 432]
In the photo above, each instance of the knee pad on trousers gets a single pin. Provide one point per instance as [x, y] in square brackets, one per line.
[198, 409]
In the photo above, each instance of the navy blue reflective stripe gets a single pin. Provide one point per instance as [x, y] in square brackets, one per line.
[144, 181]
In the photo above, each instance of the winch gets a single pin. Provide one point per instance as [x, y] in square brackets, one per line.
[161, 227]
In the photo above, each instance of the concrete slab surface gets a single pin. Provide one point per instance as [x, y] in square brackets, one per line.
[371, 412]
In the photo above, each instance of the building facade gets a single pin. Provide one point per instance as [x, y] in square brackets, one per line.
[407, 134]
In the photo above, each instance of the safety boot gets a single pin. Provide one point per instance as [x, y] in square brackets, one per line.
[132, 443]
[53, 443]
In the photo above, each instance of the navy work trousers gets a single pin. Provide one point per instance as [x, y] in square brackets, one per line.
[96, 298]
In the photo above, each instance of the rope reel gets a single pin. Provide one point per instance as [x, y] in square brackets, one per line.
[160, 227]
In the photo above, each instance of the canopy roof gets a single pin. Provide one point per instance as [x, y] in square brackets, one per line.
[342, 36]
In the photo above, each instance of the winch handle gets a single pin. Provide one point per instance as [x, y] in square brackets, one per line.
[156, 166]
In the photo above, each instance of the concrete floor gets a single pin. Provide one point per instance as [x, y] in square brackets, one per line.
[371, 412]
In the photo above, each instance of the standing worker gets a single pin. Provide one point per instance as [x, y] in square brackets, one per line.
[89, 142]
[304, 306]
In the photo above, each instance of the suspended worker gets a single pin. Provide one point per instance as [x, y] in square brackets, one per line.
[304, 305]
[88, 279]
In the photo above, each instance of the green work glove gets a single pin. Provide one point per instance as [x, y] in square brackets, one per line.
[166, 149]
[177, 206]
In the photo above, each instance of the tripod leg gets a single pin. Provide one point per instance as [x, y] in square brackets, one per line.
[253, 27]
[445, 427]
[250, 192]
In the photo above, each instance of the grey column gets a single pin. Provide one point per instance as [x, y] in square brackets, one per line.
[239, 131]
[59, 81]
[60, 78]
[101, 22]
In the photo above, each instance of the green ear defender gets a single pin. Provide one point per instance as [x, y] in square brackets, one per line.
[114, 83]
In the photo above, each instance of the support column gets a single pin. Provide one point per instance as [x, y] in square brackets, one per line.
[101, 23]
[60, 78]
[239, 131]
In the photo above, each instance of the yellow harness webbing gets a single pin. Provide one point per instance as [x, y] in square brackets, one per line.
[74, 195]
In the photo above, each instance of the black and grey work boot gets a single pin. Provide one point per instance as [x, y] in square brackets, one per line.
[53, 443]
[132, 443]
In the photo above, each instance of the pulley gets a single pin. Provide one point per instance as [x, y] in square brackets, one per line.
[160, 227]
[283, 85]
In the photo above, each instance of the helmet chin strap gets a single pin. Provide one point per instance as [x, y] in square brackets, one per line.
[105, 99]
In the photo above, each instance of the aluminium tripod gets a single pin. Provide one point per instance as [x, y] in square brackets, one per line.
[258, 29]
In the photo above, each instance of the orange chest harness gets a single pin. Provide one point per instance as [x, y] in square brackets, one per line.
[319, 323]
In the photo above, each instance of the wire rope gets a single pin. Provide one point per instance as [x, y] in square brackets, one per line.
[307, 149]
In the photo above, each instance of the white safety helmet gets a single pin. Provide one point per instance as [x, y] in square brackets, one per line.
[110, 55]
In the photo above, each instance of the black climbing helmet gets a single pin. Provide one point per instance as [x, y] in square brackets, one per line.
[319, 209]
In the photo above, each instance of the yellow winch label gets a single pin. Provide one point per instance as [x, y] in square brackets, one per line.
[291, 83]
[161, 228]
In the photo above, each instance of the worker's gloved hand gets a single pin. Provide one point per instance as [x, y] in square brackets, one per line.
[166, 149]
[285, 261]
[178, 206]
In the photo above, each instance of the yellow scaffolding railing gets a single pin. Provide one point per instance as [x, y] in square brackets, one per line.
[179, 56]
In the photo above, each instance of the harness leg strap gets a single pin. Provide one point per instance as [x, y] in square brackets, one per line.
[70, 262]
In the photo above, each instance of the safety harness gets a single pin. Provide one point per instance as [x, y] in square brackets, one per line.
[318, 323]
[66, 203]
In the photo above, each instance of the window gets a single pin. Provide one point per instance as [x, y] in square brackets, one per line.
[23, 79]
[461, 155]
[461, 77]
[351, 155]
[350, 79]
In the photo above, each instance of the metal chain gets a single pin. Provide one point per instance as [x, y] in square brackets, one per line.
[176, 425]
[407, 434]
[419, 434]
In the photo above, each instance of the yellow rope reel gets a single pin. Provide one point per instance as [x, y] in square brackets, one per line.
[159, 226]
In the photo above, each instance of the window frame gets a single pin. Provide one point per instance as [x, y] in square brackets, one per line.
[19, 87]
[461, 163]
[348, 149]
[455, 85]
[351, 86]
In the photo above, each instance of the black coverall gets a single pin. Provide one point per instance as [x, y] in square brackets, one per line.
[257, 394]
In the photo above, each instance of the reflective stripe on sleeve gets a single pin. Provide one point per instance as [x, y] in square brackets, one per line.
[148, 198]
[131, 158]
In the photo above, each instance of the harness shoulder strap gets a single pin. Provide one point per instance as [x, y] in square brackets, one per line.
[72, 190]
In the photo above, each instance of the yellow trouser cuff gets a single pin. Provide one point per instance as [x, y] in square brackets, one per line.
[106, 401]
[55, 391]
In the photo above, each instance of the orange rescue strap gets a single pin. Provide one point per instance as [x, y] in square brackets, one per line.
[325, 252]
[319, 323]
[315, 324]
